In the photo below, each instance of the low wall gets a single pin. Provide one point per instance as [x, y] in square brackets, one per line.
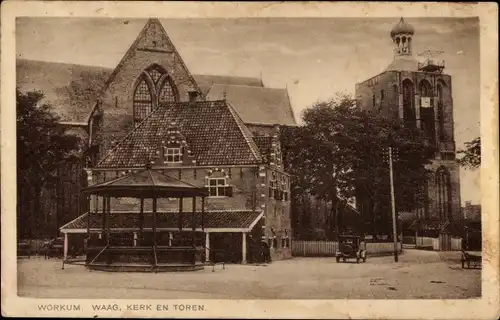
[439, 244]
[329, 248]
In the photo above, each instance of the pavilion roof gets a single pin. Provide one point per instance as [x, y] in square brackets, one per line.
[213, 220]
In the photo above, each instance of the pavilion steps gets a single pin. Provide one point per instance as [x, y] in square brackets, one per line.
[139, 267]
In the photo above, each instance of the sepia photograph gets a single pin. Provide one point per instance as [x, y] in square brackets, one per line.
[246, 158]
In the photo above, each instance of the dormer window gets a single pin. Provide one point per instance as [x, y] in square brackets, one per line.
[173, 155]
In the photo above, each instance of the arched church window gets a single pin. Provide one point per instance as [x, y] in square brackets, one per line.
[167, 92]
[408, 103]
[440, 105]
[154, 88]
[443, 189]
[425, 89]
[155, 73]
[143, 101]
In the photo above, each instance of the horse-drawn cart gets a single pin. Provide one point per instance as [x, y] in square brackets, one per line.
[470, 259]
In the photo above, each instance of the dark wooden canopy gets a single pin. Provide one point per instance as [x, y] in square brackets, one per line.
[146, 183]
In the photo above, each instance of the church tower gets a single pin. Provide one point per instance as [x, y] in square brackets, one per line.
[420, 94]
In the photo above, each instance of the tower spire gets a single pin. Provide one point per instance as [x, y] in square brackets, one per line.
[402, 34]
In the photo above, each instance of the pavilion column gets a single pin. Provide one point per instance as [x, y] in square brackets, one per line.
[203, 214]
[108, 225]
[170, 238]
[141, 218]
[88, 224]
[135, 239]
[154, 221]
[104, 216]
[65, 246]
[243, 247]
[207, 247]
[180, 213]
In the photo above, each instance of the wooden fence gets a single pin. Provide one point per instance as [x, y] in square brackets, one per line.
[329, 248]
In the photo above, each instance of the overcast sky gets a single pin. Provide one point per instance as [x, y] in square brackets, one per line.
[315, 58]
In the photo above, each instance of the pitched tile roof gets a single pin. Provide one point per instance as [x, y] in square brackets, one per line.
[253, 102]
[54, 80]
[264, 144]
[237, 219]
[256, 104]
[214, 133]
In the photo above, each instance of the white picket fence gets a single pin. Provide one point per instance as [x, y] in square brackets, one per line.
[329, 248]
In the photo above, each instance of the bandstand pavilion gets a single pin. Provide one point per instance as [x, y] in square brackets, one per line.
[139, 243]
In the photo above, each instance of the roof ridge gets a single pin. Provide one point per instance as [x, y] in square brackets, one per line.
[246, 86]
[224, 75]
[65, 63]
[247, 136]
[290, 106]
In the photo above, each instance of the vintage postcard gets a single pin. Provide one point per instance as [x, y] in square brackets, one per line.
[250, 160]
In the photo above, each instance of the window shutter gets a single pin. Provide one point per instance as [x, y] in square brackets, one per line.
[229, 191]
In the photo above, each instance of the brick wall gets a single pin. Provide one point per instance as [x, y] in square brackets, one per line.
[117, 99]
[392, 106]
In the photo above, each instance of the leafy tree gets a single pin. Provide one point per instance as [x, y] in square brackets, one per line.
[471, 158]
[339, 152]
[294, 146]
[42, 146]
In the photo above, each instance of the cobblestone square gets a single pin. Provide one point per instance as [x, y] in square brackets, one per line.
[418, 275]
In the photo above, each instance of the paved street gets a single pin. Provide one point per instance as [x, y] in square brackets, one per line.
[418, 274]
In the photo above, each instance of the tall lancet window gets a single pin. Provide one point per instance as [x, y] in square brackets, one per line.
[154, 88]
[443, 189]
[167, 91]
[143, 101]
[427, 111]
[409, 104]
[440, 107]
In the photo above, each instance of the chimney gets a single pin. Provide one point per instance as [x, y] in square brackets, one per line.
[193, 96]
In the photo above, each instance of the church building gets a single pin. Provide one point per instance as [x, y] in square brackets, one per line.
[420, 94]
[216, 132]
